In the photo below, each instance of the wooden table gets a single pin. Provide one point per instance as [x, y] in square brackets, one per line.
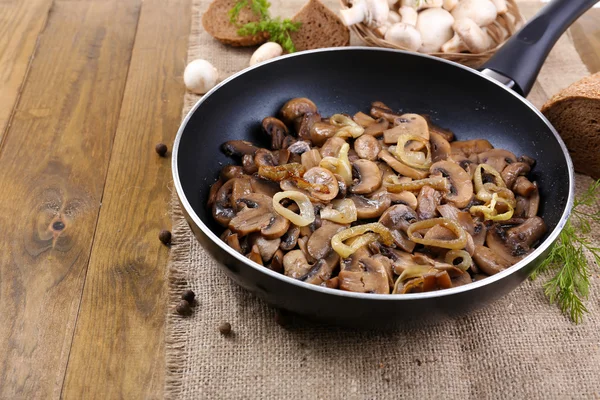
[87, 88]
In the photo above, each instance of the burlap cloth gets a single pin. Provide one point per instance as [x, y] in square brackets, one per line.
[520, 347]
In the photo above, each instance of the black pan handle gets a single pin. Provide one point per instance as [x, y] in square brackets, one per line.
[522, 56]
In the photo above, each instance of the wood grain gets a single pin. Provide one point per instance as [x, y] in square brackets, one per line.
[20, 24]
[54, 162]
[118, 349]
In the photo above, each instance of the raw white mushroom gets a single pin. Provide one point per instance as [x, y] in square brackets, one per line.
[469, 36]
[482, 12]
[435, 26]
[422, 4]
[393, 17]
[200, 76]
[449, 4]
[373, 13]
[391, 3]
[404, 35]
[501, 6]
[266, 52]
[409, 15]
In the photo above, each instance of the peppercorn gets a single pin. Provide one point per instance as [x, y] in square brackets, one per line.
[183, 308]
[161, 149]
[189, 296]
[165, 237]
[225, 328]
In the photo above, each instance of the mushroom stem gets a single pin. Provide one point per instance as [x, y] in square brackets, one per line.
[409, 15]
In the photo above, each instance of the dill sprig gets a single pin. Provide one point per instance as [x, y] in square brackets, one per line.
[278, 30]
[569, 287]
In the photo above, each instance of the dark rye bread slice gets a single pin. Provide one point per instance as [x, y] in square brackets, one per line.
[216, 22]
[321, 27]
[575, 113]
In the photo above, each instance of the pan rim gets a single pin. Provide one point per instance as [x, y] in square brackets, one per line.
[369, 296]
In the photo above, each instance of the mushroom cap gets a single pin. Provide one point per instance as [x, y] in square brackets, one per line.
[475, 39]
[435, 26]
[371, 278]
[428, 200]
[257, 215]
[321, 131]
[512, 171]
[409, 15]
[296, 108]
[482, 12]
[239, 148]
[322, 176]
[497, 158]
[510, 252]
[367, 147]
[461, 186]
[404, 35]
[368, 177]
[440, 147]
[373, 13]
[372, 206]
[295, 264]
[398, 217]
[489, 261]
[200, 76]
[319, 243]
[276, 129]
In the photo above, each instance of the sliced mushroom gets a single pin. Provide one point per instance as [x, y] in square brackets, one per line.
[412, 124]
[351, 263]
[306, 125]
[397, 219]
[512, 171]
[428, 200]
[497, 158]
[266, 247]
[256, 215]
[302, 244]
[489, 261]
[527, 233]
[401, 168]
[333, 283]
[322, 269]
[212, 193]
[222, 209]
[363, 119]
[475, 229]
[447, 134]
[527, 207]
[372, 278]
[248, 165]
[468, 147]
[311, 159]
[232, 240]
[324, 178]
[524, 186]
[465, 163]
[367, 147]
[332, 147]
[241, 188]
[277, 262]
[461, 187]
[238, 148]
[319, 244]
[527, 160]
[352, 156]
[372, 206]
[231, 171]
[264, 186]
[265, 158]
[290, 238]
[406, 198]
[440, 147]
[462, 279]
[496, 241]
[294, 110]
[321, 131]
[376, 130]
[254, 255]
[448, 211]
[367, 177]
[299, 147]
[387, 264]
[380, 110]
[295, 264]
[276, 129]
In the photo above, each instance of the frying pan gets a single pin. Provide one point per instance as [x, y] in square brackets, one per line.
[473, 104]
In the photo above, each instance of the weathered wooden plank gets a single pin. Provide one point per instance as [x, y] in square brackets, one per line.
[118, 349]
[54, 162]
[20, 24]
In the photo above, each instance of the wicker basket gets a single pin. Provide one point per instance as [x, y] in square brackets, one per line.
[500, 31]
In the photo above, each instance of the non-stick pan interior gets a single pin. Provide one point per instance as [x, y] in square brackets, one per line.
[347, 81]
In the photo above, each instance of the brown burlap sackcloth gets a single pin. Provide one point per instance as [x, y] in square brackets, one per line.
[519, 347]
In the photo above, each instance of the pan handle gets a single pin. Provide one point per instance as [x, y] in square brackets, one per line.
[519, 61]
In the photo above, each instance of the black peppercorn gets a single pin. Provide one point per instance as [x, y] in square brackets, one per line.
[225, 328]
[189, 296]
[161, 149]
[183, 308]
[165, 236]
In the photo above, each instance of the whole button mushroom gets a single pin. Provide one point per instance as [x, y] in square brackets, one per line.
[404, 35]
[435, 26]
[200, 76]
[373, 13]
[468, 36]
[266, 52]
[482, 12]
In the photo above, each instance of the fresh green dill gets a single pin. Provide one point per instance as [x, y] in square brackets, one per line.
[278, 30]
[569, 287]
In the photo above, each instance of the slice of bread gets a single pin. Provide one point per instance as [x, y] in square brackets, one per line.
[575, 113]
[216, 22]
[321, 27]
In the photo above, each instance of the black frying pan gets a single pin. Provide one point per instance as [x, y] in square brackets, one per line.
[472, 104]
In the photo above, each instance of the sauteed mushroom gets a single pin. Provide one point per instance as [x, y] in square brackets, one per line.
[448, 212]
